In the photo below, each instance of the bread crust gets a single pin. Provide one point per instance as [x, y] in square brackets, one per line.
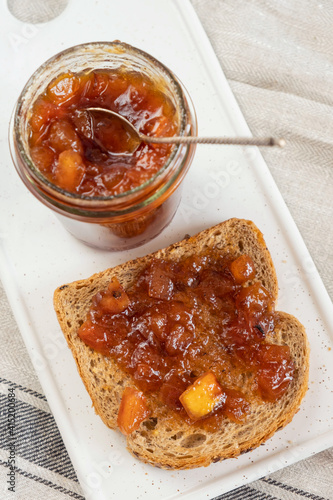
[165, 440]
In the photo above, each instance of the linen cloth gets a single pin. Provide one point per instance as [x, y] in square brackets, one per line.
[278, 59]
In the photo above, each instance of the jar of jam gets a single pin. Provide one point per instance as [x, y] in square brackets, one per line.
[109, 201]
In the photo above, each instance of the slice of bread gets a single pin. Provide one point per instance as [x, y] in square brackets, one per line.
[163, 440]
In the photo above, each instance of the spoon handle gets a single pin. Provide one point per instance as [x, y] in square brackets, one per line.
[240, 141]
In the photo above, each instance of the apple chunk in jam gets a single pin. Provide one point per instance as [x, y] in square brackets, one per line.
[189, 332]
[202, 397]
[132, 410]
[115, 300]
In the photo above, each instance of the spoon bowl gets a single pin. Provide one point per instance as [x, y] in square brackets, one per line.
[113, 133]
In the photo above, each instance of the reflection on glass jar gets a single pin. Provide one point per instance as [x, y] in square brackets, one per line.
[107, 201]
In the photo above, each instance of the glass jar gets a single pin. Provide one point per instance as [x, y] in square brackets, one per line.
[124, 220]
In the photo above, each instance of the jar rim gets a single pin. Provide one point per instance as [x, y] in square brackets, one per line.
[112, 48]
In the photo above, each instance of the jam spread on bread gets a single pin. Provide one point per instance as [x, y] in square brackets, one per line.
[192, 334]
[64, 139]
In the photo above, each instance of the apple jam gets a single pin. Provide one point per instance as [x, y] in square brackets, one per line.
[192, 334]
[65, 139]
[72, 159]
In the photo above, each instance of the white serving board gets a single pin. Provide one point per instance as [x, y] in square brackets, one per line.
[37, 254]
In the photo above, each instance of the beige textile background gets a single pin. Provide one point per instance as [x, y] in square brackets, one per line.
[278, 59]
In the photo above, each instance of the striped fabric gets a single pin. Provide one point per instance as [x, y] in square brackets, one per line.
[42, 461]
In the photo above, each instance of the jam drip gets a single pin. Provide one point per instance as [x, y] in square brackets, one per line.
[181, 320]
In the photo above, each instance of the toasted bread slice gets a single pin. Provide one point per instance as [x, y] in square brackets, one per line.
[163, 440]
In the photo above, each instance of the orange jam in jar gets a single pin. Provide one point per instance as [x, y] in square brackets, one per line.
[62, 133]
[202, 322]
[111, 201]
